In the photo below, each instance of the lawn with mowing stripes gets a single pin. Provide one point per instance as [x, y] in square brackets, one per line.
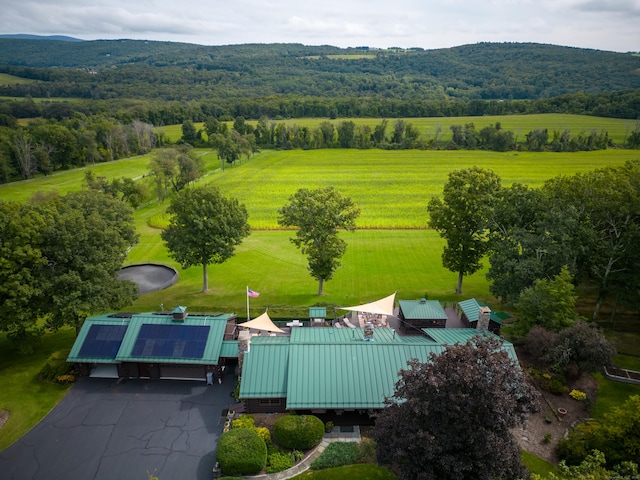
[392, 188]
[377, 263]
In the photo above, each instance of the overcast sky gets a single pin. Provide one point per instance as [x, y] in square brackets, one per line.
[600, 24]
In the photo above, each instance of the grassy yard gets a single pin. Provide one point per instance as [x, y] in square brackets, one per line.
[377, 263]
[27, 398]
[352, 472]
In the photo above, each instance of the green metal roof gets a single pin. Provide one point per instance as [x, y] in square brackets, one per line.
[335, 368]
[348, 376]
[422, 309]
[229, 349]
[471, 309]
[210, 355]
[451, 336]
[317, 312]
[265, 370]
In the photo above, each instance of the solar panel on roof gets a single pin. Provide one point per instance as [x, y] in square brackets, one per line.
[103, 341]
[171, 341]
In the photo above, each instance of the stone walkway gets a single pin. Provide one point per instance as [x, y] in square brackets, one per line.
[339, 434]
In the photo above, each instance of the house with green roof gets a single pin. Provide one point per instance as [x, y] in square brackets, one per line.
[469, 312]
[155, 345]
[415, 315]
[324, 370]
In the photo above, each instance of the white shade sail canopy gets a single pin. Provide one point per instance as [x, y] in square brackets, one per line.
[263, 322]
[384, 306]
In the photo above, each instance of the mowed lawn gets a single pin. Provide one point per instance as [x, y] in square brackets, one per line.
[376, 264]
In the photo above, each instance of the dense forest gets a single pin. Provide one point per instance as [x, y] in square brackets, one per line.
[184, 72]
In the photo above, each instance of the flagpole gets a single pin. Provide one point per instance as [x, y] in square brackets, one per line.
[246, 292]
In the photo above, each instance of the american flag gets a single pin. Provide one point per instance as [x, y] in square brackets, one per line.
[251, 293]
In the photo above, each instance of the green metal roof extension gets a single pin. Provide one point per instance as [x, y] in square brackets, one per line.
[317, 312]
[422, 309]
[229, 349]
[265, 370]
[452, 336]
[210, 353]
[335, 368]
[471, 309]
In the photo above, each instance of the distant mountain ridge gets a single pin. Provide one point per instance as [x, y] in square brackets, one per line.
[183, 72]
[27, 36]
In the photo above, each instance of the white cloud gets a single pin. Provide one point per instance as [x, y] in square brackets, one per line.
[603, 24]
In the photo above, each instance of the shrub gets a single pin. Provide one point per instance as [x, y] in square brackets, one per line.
[241, 451]
[298, 431]
[554, 384]
[367, 451]
[264, 434]
[278, 461]
[337, 454]
[578, 395]
[538, 342]
[56, 366]
[244, 421]
[581, 348]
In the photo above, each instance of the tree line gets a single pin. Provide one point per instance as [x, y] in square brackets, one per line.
[616, 104]
[588, 224]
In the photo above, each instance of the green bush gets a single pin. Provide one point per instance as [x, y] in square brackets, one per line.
[57, 366]
[278, 461]
[554, 384]
[337, 454]
[241, 451]
[244, 421]
[300, 432]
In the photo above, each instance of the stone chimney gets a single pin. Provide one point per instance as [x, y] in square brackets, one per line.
[244, 344]
[483, 318]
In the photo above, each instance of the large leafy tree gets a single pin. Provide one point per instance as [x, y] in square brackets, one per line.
[319, 214]
[531, 238]
[450, 418]
[205, 227]
[608, 202]
[20, 259]
[85, 242]
[549, 303]
[462, 218]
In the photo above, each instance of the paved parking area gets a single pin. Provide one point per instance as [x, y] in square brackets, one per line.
[103, 430]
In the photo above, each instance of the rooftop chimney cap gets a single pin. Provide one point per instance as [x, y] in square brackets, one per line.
[179, 313]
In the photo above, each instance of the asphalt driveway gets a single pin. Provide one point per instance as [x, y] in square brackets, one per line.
[103, 430]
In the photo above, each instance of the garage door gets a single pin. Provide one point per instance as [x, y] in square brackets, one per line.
[104, 371]
[183, 372]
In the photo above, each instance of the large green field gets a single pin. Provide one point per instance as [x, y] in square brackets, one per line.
[392, 250]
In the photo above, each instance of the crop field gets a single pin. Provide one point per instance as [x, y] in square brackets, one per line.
[520, 125]
[391, 251]
[392, 188]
